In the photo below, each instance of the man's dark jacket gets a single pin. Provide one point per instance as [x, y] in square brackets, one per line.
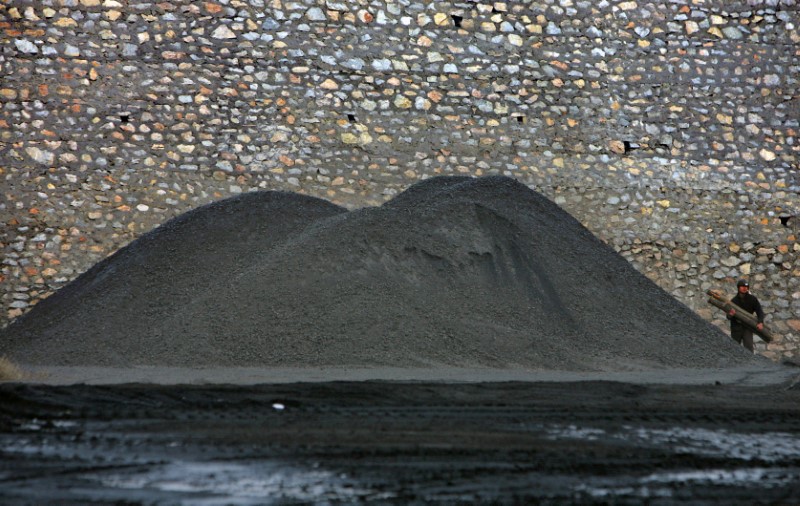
[749, 303]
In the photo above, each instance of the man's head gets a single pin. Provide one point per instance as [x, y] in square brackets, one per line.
[743, 285]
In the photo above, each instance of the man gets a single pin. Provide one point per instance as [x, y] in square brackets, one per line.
[741, 333]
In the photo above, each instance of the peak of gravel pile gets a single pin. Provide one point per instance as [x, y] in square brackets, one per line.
[454, 271]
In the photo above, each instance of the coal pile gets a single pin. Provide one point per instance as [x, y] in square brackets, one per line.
[454, 271]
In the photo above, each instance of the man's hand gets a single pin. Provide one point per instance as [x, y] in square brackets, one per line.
[760, 326]
[731, 312]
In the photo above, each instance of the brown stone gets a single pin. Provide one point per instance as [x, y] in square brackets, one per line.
[212, 8]
[365, 16]
[617, 147]
[435, 96]
[66, 22]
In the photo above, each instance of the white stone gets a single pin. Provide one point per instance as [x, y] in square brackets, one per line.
[41, 156]
[30, 14]
[767, 155]
[752, 129]
[279, 136]
[382, 65]
[730, 261]
[223, 32]
[335, 6]
[422, 104]
[26, 46]
[400, 65]
[434, 57]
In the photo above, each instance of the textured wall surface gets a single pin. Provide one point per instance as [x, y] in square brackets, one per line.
[670, 129]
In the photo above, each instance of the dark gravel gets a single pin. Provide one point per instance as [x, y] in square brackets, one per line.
[596, 443]
[456, 271]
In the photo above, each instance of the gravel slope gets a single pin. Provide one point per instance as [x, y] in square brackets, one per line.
[454, 271]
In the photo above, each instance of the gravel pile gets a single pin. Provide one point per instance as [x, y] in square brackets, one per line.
[454, 271]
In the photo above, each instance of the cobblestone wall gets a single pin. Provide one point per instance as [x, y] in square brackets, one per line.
[669, 128]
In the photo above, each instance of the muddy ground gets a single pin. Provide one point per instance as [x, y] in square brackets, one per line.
[588, 442]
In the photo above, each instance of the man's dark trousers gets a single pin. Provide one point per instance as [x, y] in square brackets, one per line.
[742, 334]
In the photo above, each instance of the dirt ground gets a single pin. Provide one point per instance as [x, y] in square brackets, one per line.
[400, 442]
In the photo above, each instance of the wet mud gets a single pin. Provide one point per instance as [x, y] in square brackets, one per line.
[589, 442]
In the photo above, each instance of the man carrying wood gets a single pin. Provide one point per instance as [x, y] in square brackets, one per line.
[748, 302]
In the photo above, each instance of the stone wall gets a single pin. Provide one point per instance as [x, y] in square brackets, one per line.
[669, 128]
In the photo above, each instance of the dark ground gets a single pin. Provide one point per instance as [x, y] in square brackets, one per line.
[402, 443]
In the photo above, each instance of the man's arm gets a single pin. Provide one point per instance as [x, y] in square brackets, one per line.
[732, 312]
[759, 310]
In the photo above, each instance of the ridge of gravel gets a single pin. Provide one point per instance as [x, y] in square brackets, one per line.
[454, 272]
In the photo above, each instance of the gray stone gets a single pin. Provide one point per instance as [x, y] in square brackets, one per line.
[353, 63]
[553, 29]
[732, 32]
[316, 14]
